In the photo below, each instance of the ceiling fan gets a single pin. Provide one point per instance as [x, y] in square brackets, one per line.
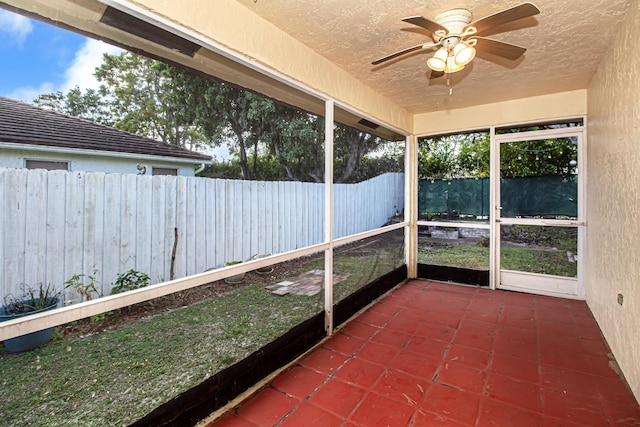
[457, 38]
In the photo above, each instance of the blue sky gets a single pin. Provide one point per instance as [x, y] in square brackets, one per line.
[39, 58]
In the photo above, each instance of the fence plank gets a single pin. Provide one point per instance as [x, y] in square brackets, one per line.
[56, 224]
[35, 228]
[112, 229]
[170, 224]
[15, 186]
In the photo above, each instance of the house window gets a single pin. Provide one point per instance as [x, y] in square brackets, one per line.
[165, 171]
[47, 164]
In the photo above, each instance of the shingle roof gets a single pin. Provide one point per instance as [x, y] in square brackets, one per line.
[26, 124]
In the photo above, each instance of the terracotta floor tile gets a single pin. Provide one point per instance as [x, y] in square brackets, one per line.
[451, 320]
[374, 319]
[518, 312]
[378, 411]
[337, 397]
[573, 407]
[622, 413]
[393, 338]
[498, 414]
[615, 390]
[519, 299]
[388, 307]
[360, 372]
[601, 365]
[515, 367]
[403, 324]
[514, 334]
[519, 393]
[519, 322]
[378, 353]
[556, 422]
[415, 364]
[451, 403]
[424, 418]
[401, 387]
[559, 318]
[587, 321]
[309, 415]
[420, 314]
[323, 360]
[594, 348]
[434, 330]
[472, 325]
[516, 349]
[267, 407]
[571, 343]
[569, 380]
[427, 346]
[299, 382]
[473, 339]
[468, 356]
[551, 328]
[565, 359]
[451, 307]
[232, 420]
[461, 377]
[343, 343]
[360, 330]
[434, 354]
[486, 314]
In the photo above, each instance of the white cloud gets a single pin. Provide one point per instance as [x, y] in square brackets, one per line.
[17, 26]
[86, 60]
[79, 73]
[28, 93]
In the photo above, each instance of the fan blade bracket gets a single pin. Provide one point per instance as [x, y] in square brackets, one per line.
[422, 22]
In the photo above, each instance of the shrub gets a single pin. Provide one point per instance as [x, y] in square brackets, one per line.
[130, 280]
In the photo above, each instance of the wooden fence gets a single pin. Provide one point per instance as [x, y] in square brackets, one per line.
[56, 224]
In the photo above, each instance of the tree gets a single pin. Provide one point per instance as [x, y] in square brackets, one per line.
[173, 105]
[88, 105]
[468, 155]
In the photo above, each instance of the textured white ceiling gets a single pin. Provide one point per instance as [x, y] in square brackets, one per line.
[565, 43]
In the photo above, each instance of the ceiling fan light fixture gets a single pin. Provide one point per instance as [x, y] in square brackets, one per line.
[452, 67]
[439, 60]
[463, 53]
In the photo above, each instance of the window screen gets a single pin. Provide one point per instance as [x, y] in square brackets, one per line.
[47, 164]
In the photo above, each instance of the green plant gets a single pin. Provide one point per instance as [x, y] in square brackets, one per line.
[130, 280]
[86, 290]
[32, 299]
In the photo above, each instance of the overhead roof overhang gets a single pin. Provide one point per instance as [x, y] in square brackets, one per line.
[100, 21]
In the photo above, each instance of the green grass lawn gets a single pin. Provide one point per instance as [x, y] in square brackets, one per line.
[114, 377]
[513, 258]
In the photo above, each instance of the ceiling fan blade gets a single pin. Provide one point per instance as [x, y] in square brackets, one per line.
[524, 10]
[423, 22]
[495, 47]
[435, 74]
[399, 53]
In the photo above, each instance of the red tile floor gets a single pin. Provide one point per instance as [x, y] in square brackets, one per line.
[433, 354]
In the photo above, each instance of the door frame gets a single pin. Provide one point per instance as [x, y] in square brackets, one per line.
[527, 278]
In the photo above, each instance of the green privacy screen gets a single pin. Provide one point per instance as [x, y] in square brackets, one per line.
[544, 196]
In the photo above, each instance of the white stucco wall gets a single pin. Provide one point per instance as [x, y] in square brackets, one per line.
[16, 158]
[613, 229]
[537, 108]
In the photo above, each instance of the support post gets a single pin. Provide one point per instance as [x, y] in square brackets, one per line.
[411, 205]
[328, 216]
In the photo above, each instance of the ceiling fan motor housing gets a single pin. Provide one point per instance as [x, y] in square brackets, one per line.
[454, 21]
